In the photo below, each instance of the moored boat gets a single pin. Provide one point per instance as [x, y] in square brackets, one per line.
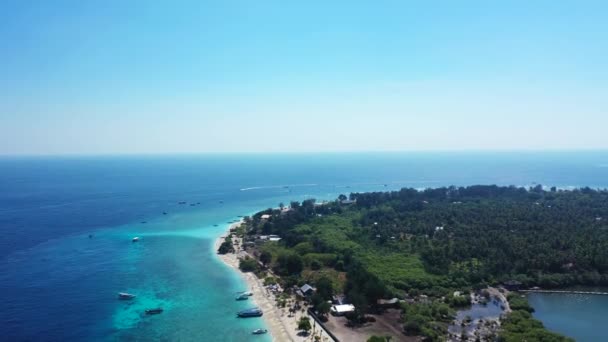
[259, 331]
[135, 239]
[242, 296]
[154, 311]
[124, 295]
[253, 312]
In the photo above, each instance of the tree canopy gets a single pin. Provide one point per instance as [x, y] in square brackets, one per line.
[436, 241]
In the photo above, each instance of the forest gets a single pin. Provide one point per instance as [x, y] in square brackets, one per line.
[411, 242]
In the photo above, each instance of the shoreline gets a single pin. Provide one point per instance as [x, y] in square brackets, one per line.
[279, 325]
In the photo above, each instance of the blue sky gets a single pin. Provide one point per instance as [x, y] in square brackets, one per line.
[90, 77]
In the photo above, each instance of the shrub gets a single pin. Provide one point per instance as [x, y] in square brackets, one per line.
[517, 302]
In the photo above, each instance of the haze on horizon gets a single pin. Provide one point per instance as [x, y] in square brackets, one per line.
[242, 76]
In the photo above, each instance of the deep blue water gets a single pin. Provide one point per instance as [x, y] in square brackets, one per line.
[56, 283]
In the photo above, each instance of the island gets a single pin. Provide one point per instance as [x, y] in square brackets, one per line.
[404, 265]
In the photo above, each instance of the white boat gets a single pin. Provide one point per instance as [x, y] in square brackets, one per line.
[135, 239]
[242, 296]
[259, 331]
[124, 295]
[245, 293]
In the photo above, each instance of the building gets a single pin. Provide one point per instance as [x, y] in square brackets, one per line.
[341, 310]
[388, 303]
[270, 237]
[274, 238]
[305, 291]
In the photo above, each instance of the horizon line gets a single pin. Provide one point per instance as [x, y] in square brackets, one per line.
[216, 153]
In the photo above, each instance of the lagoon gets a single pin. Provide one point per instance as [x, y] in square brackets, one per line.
[580, 316]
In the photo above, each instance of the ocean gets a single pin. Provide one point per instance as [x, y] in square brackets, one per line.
[66, 225]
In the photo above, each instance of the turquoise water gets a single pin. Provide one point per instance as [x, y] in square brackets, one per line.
[582, 317]
[57, 284]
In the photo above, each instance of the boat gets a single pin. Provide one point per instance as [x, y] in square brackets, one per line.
[135, 239]
[259, 331]
[154, 311]
[124, 295]
[242, 296]
[253, 312]
[246, 293]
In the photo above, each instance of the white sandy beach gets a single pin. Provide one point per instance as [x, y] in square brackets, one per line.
[280, 325]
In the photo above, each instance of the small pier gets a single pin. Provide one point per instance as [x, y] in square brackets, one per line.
[568, 291]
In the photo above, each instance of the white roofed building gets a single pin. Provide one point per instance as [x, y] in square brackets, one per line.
[339, 310]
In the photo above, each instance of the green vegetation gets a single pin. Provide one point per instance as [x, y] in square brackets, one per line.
[519, 303]
[408, 243]
[323, 294]
[520, 326]
[289, 263]
[266, 258]
[269, 281]
[399, 270]
[226, 246]
[427, 319]
[304, 324]
[248, 265]
[379, 339]
[459, 301]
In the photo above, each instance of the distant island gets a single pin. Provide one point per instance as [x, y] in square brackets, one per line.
[411, 259]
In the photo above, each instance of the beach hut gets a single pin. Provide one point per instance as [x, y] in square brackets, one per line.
[305, 291]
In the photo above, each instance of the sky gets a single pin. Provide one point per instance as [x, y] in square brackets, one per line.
[131, 77]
